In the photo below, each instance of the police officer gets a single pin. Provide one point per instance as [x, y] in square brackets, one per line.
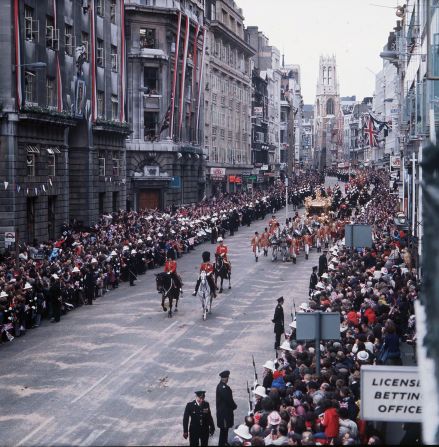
[278, 320]
[201, 422]
[313, 280]
[225, 406]
[55, 297]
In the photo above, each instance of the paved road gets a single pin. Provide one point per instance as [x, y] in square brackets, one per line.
[120, 372]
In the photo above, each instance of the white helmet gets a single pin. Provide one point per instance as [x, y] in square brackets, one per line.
[220, 239]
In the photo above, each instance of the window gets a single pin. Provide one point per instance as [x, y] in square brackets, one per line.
[150, 80]
[113, 11]
[214, 96]
[101, 164]
[116, 164]
[222, 134]
[68, 39]
[147, 38]
[113, 58]
[100, 53]
[84, 40]
[50, 92]
[100, 8]
[52, 165]
[29, 86]
[330, 107]
[101, 104]
[150, 120]
[30, 165]
[28, 22]
[114, 107]
[52, 34]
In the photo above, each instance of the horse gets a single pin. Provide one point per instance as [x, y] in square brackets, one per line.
[222, 271]
[167, 287]
[205, 294]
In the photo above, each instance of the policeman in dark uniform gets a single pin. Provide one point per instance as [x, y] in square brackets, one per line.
[278, 320]
[225, 406]
[313, 280]
[55, 297]
[132, 267]
[201, 422]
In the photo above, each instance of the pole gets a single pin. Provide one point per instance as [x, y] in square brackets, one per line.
[318, 335]
[413, 194]
[403, 185]
[286, 198]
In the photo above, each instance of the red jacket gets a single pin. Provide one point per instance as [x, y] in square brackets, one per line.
[369, 313]
[331, 422]
[170, 266]
[206, 267]
[353, 318]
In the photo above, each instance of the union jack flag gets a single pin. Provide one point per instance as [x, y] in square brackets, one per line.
[369, 131]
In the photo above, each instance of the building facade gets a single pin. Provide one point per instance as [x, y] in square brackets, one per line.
[62, 116]
[326, 114]
[227, 98]
[307, 143]
[165, 57]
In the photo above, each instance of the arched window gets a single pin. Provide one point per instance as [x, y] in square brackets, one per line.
[324, 75]
[329, 75]
[318, 107]
[330, 107]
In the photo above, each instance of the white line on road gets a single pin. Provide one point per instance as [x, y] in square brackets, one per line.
[34, 432]
[91, 438]
[122, 364]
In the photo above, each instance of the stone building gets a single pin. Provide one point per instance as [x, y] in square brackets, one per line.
[326, 113]
[228, 97]
[62, 123]
[165, 52]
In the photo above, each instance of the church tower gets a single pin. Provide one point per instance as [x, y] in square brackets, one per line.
[326, 113]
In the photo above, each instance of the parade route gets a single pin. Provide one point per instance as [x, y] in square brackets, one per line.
[121, 372]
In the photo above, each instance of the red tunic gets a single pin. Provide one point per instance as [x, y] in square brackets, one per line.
[170, 266]
[206, 267]
[221, 250]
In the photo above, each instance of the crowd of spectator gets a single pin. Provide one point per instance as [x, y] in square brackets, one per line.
[374, 290]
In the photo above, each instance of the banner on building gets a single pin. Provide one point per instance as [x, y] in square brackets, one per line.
[258, 111]
[390, 393]
[217, 173]
[235, 179]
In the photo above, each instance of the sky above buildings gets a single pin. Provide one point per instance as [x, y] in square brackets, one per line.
[354, 30]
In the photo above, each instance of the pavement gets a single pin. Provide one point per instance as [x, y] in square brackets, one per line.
[120, 372]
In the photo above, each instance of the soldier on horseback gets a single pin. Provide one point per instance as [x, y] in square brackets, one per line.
[221, 250]
[171, 269]
[206, 266]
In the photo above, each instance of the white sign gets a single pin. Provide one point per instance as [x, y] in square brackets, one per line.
[257, 111]
[9, 237]
[390, 393]
[218, 173]
[395, 162]
[264, 168]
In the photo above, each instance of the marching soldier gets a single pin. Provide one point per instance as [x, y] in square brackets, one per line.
[278, 320]
[225, 406]
[201, 422]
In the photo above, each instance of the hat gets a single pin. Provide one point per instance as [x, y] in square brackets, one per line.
[286, 346]
[315, 268]
[325, 275]
[269, 364]
[3, 294]
[224, 374]
[293, 324]
[113, 253]
[94, 261]
[362, 356]
[260, 391]
[55, 276]
[274, 418]
[133, 252]
[281, 298]
[200, 393]
[12, 280]
[27, 286]
[320, 285]
[243, 432]
[220, 239]
[75, 269]
[330, 267]
[304, 306]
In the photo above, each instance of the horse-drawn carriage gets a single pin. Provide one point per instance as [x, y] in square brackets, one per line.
[319, 205]
[280, 246]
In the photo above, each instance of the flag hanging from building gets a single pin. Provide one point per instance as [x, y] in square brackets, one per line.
[166, 120]
[381, 126]
[122, 63]
[94, 104]
[369, 131]
[59, 102]
[17, 54]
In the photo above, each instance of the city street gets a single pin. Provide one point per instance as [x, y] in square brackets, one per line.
[121, 371]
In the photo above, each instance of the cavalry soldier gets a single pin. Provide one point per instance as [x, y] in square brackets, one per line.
[206, 266]
[171, 268]
[221, 250]
[278, 320]
[272, 225]
[225, 406]
[201, 422]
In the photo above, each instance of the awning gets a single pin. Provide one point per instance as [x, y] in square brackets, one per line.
[32, 149]
[53, 150]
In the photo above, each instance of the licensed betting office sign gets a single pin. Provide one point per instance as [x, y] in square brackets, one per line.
[390, 393]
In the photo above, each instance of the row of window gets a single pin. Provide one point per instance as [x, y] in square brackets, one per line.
[31, 163]
[227, 155]
[30, 94]
[114, 169]
[70, 43]
[230, 56]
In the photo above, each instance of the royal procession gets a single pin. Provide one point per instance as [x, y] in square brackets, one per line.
[202, 240]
